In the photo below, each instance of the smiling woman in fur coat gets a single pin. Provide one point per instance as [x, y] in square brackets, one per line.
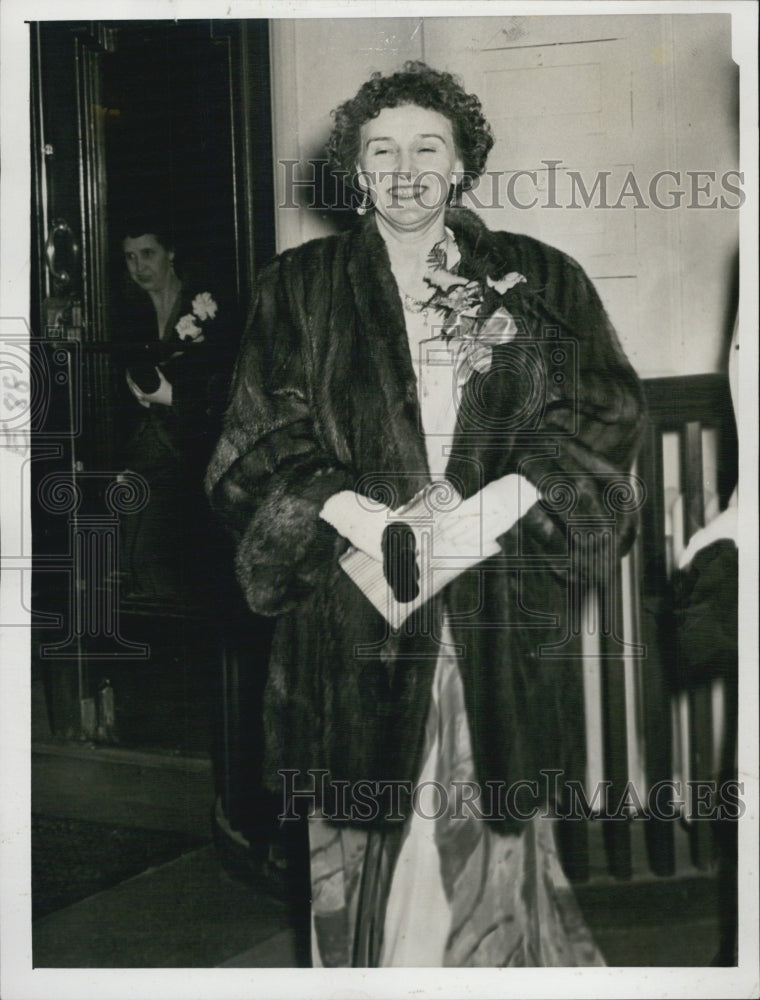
[422, 410]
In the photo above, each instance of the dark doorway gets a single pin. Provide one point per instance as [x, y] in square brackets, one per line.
[169, 138]
[127, 115]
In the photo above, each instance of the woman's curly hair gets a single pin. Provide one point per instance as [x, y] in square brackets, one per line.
[428, 88]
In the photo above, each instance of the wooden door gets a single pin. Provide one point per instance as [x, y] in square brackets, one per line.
[583, 109]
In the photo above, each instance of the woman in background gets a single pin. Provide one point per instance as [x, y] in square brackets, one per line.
[423, 359]
[176, 330]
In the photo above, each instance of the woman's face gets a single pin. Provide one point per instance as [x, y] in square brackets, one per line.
[407, 162]
[149, 262]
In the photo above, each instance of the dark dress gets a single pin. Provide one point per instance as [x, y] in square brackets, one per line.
[168, 547]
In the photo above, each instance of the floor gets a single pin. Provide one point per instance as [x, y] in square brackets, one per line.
[187, 912]
[74, 859]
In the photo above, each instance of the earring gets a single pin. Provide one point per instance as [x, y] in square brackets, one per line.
[453, 196]
[365, 205]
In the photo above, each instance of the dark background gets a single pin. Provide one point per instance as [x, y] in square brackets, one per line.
[168, 129]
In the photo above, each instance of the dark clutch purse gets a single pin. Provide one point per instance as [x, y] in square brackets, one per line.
[400, 561]
[145, 377]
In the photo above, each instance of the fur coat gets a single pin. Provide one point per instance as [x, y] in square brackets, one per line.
[324, 398]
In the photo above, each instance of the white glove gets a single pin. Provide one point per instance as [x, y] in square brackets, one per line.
[465, 531]
[448, 540]
[360, 520]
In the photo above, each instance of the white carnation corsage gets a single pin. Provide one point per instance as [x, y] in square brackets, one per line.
[190, 326]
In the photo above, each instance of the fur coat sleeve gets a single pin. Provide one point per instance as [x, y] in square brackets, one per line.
[271, 474]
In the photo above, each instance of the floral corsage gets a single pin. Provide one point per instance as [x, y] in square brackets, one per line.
[473, 321]
[190, 326]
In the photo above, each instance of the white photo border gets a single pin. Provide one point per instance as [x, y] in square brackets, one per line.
[19, 980]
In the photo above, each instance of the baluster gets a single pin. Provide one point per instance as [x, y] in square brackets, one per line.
[658, 740]
[700, 697]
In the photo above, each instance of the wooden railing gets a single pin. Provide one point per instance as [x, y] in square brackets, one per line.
[639, 727]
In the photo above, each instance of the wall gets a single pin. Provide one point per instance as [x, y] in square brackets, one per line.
[633, 94]
[317, 64]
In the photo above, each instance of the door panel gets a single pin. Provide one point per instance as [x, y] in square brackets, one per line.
[581, 104]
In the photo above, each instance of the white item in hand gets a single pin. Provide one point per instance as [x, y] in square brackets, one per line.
[448, 541]
[488, 514]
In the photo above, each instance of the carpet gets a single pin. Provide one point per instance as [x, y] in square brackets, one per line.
[72, 860]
